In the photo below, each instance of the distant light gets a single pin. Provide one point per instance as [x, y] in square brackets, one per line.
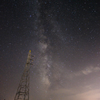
[30, 15]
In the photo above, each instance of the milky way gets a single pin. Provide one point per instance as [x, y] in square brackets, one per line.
[65, 41]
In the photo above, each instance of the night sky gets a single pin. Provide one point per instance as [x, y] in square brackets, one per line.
[64, 37]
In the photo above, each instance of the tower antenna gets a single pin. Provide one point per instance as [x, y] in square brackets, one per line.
[23, 88]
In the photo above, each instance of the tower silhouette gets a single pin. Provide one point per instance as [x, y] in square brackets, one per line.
[23, 88]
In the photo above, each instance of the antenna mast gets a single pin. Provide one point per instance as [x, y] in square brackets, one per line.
[23, 88]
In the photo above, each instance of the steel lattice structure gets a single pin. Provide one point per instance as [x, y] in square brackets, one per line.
[23, 88]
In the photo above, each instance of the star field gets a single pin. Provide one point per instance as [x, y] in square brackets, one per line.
[64, 37]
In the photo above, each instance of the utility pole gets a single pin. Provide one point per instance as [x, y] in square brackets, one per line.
[23, 88]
